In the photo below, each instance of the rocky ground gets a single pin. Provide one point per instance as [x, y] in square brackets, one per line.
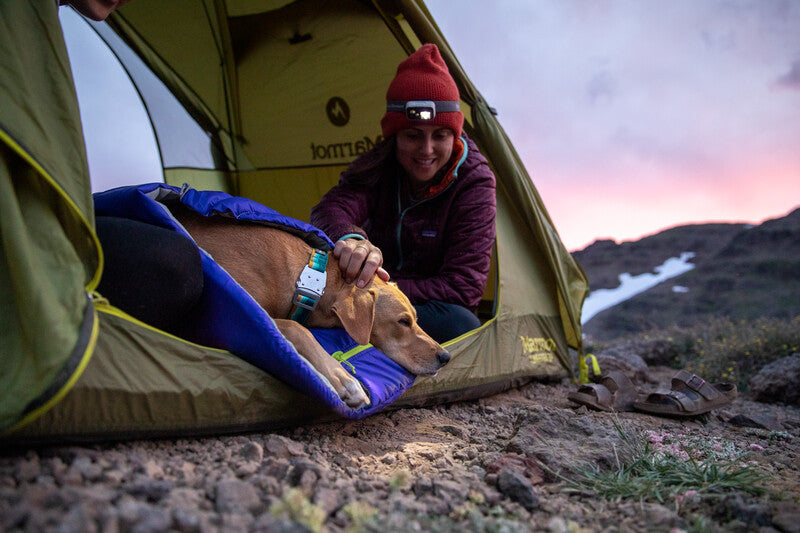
[501, 463]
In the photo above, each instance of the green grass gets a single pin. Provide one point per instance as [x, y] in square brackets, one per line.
[668, 468]
[721, 349]
[296, 507]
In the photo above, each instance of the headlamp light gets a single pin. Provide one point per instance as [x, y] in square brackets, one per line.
[422, 110]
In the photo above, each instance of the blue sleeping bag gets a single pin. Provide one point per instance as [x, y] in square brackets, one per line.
[230, 319]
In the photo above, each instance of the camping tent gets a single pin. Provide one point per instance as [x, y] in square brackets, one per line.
[286, 94]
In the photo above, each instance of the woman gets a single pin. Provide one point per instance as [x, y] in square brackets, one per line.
[420, 206]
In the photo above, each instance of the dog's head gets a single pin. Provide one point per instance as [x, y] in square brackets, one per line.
[382, 315]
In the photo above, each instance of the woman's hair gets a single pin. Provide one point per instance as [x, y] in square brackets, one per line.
[369, 167]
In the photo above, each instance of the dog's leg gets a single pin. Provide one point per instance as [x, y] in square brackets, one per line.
[346, 386]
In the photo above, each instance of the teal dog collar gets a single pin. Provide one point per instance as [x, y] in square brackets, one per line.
[310, 286]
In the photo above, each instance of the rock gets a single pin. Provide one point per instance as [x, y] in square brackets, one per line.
[518, 488]
[186, 471]
[786, 517]
[185, 520]
[787, 522]
[528, 467]
[654, 352]
[152, 469]
[268, 523]
[451, 490]
[235, 496]
[42, 496]
[72, 477]
[136, 516]
[98, 496]
[557, 525]
[753, 420]
[454, 430]
[327, 500]
[28, 470]
[304, 473]
[246, 468]
[183, 498]
[735, 507]
[77, 521]
[659, 517]
[283, 448]
[252, 451]
[389, 459]
[15, 517]
[150, 489]
[626, 362]
[777, 382]
[114, 477]
[277, 467]
[423, 485]
[237, 522]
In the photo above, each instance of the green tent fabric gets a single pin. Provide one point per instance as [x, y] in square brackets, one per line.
[287, 93]
[50, 257]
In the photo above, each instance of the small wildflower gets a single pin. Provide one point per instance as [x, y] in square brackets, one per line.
[756, 447]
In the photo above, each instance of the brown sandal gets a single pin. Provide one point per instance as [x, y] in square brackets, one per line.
[691, 395]
[614, 392]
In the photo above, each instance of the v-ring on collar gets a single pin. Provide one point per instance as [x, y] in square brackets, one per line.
[310, 286]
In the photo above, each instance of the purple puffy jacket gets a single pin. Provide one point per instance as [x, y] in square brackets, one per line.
[437, 248]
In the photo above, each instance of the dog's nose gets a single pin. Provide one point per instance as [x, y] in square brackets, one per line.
[443, 357]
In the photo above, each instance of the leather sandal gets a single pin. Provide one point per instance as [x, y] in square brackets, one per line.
[613, 392]
[691, 395]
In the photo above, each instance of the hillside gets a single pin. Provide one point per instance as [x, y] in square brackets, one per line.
[741, 272]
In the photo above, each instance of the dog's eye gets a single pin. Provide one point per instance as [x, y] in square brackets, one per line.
[405, 322]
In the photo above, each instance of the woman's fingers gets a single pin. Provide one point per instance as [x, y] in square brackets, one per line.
[359, 261]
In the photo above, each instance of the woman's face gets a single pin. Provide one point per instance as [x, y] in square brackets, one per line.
[423, 150]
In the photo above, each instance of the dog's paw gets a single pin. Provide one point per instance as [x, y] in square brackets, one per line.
[351, 391]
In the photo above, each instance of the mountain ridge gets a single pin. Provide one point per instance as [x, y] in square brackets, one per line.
[742, 271]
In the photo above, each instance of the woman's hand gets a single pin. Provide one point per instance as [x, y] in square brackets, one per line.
[359, 261]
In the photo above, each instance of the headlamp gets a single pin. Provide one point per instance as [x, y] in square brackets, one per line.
[423, 110]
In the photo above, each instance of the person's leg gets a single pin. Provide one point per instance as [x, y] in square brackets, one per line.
[151, 273]
[445, 321]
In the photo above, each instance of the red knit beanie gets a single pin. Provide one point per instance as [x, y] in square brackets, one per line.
[422, 76]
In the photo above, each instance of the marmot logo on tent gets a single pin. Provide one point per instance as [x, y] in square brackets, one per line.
[338, 111]
[538, 350]
[348, 149]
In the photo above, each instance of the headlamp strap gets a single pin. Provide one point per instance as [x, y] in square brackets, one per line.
[310, 286]
[413, 108]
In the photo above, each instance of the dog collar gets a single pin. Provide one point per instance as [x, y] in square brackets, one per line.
[310, 286]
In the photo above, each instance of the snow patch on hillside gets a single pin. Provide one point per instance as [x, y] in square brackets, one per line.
[630, 286]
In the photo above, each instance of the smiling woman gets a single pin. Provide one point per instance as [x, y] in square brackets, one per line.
[421, 204]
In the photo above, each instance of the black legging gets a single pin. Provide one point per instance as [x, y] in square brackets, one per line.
[151, 273]
[445, 321]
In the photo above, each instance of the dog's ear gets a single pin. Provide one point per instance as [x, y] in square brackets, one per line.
[356, 310]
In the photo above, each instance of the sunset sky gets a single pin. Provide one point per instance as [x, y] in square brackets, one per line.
[630, 116]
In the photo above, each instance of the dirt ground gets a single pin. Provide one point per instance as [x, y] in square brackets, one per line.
[495, 464]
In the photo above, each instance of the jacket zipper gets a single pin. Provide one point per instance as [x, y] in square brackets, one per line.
[402, 212]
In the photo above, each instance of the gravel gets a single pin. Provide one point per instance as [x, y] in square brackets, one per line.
[494, 464]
